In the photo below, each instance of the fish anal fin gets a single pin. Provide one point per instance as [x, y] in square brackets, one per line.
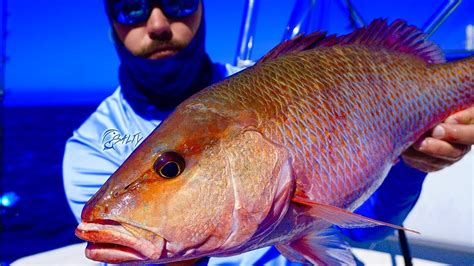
[319, 248]
[290, 253]
[341, 217]
[398, 36]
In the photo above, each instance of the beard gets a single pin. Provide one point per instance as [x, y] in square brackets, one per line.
[157, 46]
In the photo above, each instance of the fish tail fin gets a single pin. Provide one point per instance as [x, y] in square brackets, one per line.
[457, 77]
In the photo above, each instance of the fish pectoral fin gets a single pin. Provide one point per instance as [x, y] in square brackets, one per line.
[341, 217]
[319, 248]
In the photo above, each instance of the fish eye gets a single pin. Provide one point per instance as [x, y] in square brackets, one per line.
[169, 165]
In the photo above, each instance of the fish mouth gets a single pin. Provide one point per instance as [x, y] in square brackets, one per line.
[112, 242]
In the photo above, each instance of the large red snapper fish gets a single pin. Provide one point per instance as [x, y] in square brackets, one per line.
[279, 152]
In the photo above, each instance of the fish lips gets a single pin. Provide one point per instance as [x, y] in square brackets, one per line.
[112, 243]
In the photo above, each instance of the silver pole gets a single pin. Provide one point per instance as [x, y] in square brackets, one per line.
[247, 32]
[299, 19]
[440, 16]
[354, 15]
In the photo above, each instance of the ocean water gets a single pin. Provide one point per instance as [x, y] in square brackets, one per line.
[32, 150]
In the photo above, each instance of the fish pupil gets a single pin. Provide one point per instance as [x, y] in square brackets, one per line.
[169, 164]
[170, 170]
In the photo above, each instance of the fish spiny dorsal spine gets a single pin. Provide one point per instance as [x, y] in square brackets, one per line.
[397, 36]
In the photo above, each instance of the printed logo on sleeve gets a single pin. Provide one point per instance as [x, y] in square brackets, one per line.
[111, 138]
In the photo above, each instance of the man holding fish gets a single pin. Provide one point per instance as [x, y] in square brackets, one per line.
[163, 62]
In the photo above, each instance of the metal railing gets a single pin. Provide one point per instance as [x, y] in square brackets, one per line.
[304, 12]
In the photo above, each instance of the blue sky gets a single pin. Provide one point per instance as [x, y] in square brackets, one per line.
[59, 52]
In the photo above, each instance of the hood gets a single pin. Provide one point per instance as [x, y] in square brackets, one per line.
[164, 83]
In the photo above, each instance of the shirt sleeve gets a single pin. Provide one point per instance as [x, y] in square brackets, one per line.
[85, 170]
[391, 202]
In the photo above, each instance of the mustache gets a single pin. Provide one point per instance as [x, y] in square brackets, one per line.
[161, 45]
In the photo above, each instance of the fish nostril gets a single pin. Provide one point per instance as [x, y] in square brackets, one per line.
[131, 186]
[134, 185]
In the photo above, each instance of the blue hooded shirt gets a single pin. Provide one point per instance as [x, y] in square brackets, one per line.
[166, 82]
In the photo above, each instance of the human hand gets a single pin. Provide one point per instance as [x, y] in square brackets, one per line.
[447, 144]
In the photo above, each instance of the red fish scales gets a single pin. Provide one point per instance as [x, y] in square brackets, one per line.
[344, 112]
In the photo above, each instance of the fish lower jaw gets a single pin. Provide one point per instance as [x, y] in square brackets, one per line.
[113, 253]
[112, 243]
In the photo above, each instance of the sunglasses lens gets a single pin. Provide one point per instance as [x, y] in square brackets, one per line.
[130, 12]
[179, 8]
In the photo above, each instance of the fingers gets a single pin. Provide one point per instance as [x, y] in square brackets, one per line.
[442, 149]
[448, 143]
[465, 117]
[424, 162]
[430, 154]
[455, 133]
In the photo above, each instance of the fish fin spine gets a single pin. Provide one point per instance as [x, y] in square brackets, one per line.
[341, 217]
[290, 253]
[299, 43]
[324, 247]
[398, 36]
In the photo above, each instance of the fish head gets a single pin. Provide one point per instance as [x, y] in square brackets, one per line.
[203, 183]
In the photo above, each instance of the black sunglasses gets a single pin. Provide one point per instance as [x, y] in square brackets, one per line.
[132, 12]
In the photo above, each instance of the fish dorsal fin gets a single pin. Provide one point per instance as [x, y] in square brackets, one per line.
[341, 217]
[324, 247]
[297, 44]
[397, 36]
